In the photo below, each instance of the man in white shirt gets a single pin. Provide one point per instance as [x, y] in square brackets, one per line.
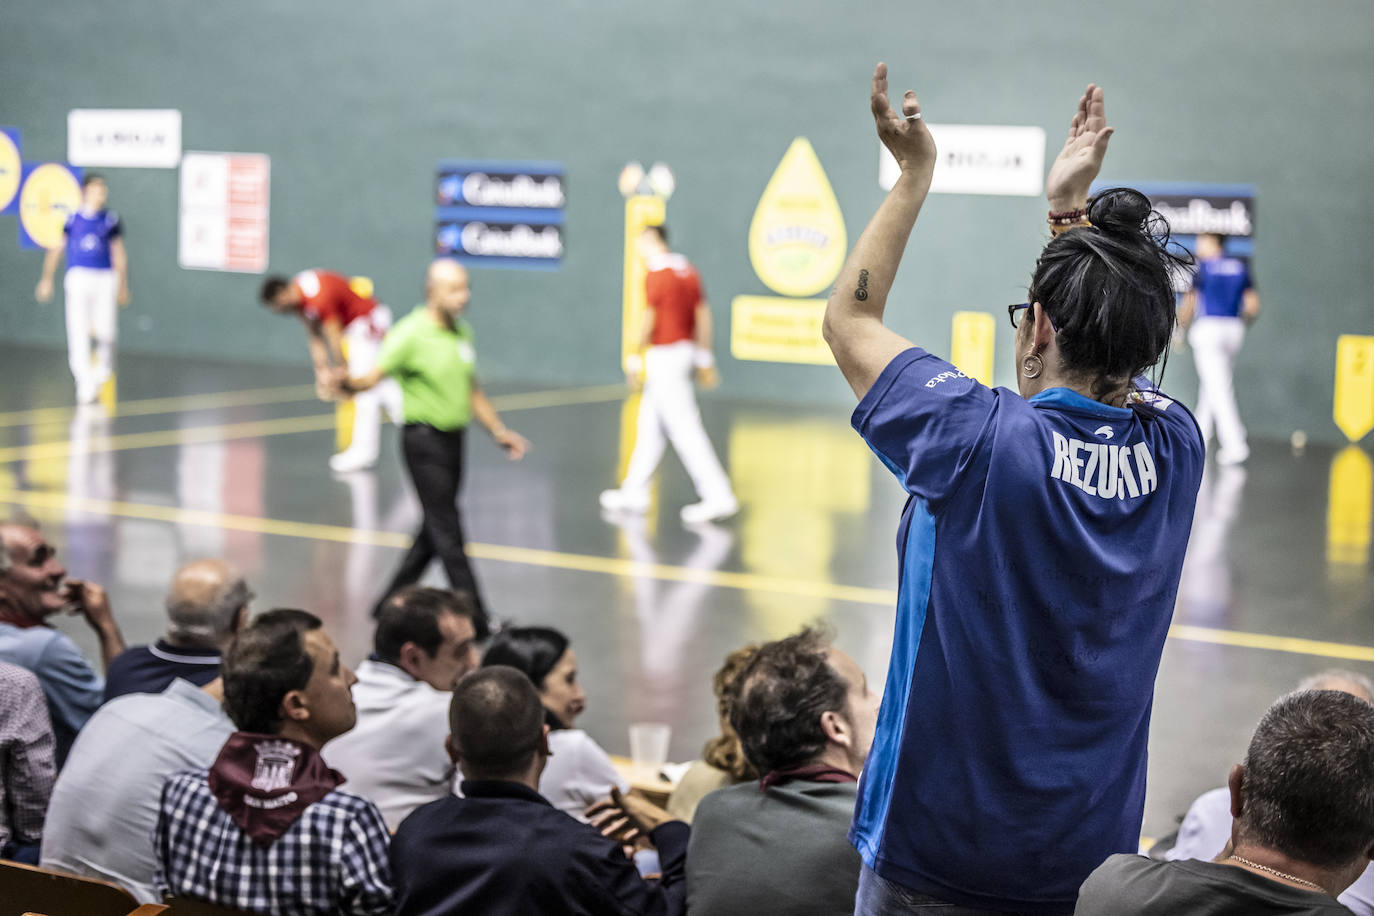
[395, 755]
[105, 804]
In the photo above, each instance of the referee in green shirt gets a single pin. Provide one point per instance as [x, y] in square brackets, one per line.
[430, 354]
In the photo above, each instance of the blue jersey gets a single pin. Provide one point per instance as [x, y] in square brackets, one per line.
[89, 237]
[1220, 284]
[1039, 556]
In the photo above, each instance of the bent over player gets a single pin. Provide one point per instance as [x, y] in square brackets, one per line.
[344, 330]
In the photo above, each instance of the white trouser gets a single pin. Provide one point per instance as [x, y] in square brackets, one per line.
[1216, 342]
[668, 413]
[91, 313]
[364, 339]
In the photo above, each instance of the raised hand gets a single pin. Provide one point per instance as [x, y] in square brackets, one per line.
[1080, 160]
[908, 140]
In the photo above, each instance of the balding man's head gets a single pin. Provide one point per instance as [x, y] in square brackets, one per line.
[446, 287]
[1345, 681]
[207, 604]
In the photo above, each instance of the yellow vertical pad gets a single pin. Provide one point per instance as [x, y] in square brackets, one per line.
[1353, 406]
[109, 393]
[1349, 507]
[343, 410]
[641, 211]
[971, 349]
[797, 239]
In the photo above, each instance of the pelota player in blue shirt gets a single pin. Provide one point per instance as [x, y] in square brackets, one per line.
[1039, 551]
[97, 279]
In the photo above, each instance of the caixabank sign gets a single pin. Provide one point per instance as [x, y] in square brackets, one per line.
[500, 214]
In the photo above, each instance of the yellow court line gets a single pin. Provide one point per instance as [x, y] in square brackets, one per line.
[247, 398]
[53, 502]
[191, 435]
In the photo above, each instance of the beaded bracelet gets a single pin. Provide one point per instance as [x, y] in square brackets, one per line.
[1068, 217]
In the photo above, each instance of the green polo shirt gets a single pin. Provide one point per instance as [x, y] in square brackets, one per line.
[435, 366]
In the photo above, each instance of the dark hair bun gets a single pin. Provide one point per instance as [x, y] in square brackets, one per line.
[1120, 210]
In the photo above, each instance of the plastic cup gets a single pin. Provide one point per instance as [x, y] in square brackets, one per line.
[649, 745]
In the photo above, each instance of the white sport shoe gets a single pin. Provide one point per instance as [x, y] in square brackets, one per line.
[344, 463]
[710, 510]
[1233, 457]
[624, 501]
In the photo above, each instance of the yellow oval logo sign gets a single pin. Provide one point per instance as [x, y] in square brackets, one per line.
[50, 194]
[9, 170]
[797, 241]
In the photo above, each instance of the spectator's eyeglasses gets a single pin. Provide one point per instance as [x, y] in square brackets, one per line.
[1014, 309]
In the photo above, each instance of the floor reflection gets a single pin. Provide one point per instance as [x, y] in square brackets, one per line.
[1205, 592]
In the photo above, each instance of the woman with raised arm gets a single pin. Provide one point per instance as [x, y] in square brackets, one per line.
[1039, 551]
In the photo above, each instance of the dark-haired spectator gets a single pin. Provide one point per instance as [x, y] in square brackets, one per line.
[579, 772]
[805, 718]
[1303, 828]
[33, 587]
[1039, 551]
[206, 605]
[395, 755]
[267, 828]
[105, 804]
[722, 760]
[1206, 829]
[26, 763]
[502, 849]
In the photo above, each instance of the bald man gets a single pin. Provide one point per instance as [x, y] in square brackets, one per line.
[206, 605]
[430, 353]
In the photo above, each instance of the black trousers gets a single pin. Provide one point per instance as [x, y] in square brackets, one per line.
[434, 458]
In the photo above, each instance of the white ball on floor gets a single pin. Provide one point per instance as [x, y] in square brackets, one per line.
[1298, 439]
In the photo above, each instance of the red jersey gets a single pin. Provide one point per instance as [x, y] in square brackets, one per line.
[673, 290]
[326, 296]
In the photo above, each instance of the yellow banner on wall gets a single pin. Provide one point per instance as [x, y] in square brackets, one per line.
[971, 350]
[797, 240]
[1353, 407]
[773, 330]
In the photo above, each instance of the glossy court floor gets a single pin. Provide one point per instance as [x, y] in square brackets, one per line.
[204, 459]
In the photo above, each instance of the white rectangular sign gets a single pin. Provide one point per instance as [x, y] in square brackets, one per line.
[124, 137]
[980, 159]
[225, 203]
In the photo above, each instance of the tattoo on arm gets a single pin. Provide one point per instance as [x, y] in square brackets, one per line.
[862, 292]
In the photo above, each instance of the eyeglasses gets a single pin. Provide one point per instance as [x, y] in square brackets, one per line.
[1013, 309]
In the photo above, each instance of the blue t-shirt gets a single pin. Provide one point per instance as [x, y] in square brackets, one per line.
[89, 237]
[1039, 556]
[1221, 284]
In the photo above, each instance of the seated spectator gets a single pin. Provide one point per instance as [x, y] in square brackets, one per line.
[26, 763]
[722, 760]
[207, 605]
[396, 755]
[579, 772]
[267, 828]
[805, 718]
[502, 849]
[1302, 830]
[33, 587]
[105, 804]
[1206, 829]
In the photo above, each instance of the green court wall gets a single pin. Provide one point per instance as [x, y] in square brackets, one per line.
[356, 102]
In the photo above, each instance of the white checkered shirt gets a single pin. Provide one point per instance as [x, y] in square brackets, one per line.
[333, 859]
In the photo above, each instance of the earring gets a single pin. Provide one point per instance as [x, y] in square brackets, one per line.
[1032, 365]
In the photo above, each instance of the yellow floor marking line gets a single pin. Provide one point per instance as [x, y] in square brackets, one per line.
[251, 397]
[252, 429]
[50, 503]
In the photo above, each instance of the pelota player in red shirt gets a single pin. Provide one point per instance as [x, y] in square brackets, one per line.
[334, 314]
[677, 337]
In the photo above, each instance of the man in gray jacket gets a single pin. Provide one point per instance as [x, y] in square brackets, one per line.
[805, 717]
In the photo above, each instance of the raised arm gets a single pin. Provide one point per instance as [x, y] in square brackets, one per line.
[1078, 163]
[853, 327]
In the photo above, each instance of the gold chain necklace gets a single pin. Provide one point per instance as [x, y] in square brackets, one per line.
[1281, 874]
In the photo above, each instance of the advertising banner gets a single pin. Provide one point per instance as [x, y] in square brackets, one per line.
[11, 169]
[500, 213]
[124, 138]
[49, 192]
[980, 159]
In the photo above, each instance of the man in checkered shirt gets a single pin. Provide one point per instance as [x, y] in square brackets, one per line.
[266, 828]
[26, 763]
